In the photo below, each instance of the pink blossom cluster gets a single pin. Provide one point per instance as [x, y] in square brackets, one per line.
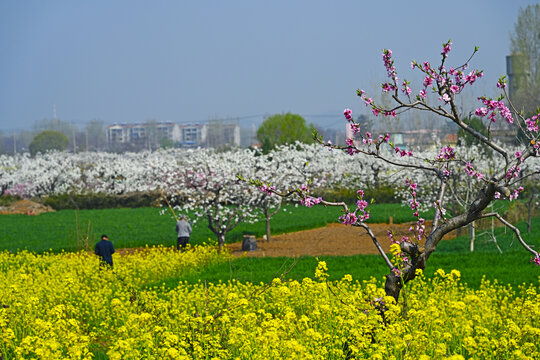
[361, 206]
[402, 152]
[348, 218]
[428, 80]
[405, 88]
[387, 87]
[536, 260]
[446, 153]
[309, 201]
[367, 101]
[351, 218]
[532, 123]
[348, 114]
[501, 84]
[491, 107]
[351, 150]
[446, 48]
[355, 128]
[305, 199]
[374, 108]
[446, 98]
[469, 169]
[442, 211]
[513, 172]
[420, 222]
[389, 65]
[515, 193]
[453, 80]
[368, 140]
[267, 189]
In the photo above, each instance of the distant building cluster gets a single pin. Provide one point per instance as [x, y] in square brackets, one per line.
[155, 134]
[417, 138]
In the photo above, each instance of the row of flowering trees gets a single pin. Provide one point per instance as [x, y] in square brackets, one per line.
[203, 181]
[57, 173]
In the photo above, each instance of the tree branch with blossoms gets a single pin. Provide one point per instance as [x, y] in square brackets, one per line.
[501, 182]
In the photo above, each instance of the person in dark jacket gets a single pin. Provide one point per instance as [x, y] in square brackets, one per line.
[184, 231]
[105, 249]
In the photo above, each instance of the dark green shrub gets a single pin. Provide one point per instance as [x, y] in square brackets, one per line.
[101, 201]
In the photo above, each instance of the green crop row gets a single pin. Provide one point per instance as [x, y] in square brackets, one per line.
[71, 230]
[511, 268]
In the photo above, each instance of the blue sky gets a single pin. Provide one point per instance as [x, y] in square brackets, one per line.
[132, 61]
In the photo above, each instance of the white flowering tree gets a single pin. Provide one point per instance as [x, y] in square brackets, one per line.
[504, 180]
[206, 186]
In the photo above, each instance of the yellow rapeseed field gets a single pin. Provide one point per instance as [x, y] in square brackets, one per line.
[63, 306]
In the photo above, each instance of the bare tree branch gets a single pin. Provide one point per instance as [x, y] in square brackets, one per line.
[514, 229]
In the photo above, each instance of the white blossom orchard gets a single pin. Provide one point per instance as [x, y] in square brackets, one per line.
[99, 172]
[501, 179]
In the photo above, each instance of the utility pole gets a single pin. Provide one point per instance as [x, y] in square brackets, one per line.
[86, 136]
[74, 139]
[14, 144]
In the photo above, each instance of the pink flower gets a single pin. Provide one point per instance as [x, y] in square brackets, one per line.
[469, 169]
[446, 153]
[361, 204]
[267, 189]
[454, 89]
[536, 259]
[310, 201]
[348, 219]
[388, 87]
[348, 114]
[481, 111]
[446, 49]
[532, 125]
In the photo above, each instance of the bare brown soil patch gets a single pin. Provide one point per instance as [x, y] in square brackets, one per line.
[26, 207]
[334, 239]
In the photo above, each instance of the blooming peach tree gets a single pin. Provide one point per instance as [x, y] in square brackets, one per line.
[442, 86]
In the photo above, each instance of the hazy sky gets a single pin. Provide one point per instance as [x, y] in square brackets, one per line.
[190, 61]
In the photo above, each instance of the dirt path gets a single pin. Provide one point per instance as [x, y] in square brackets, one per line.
[334, 239]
